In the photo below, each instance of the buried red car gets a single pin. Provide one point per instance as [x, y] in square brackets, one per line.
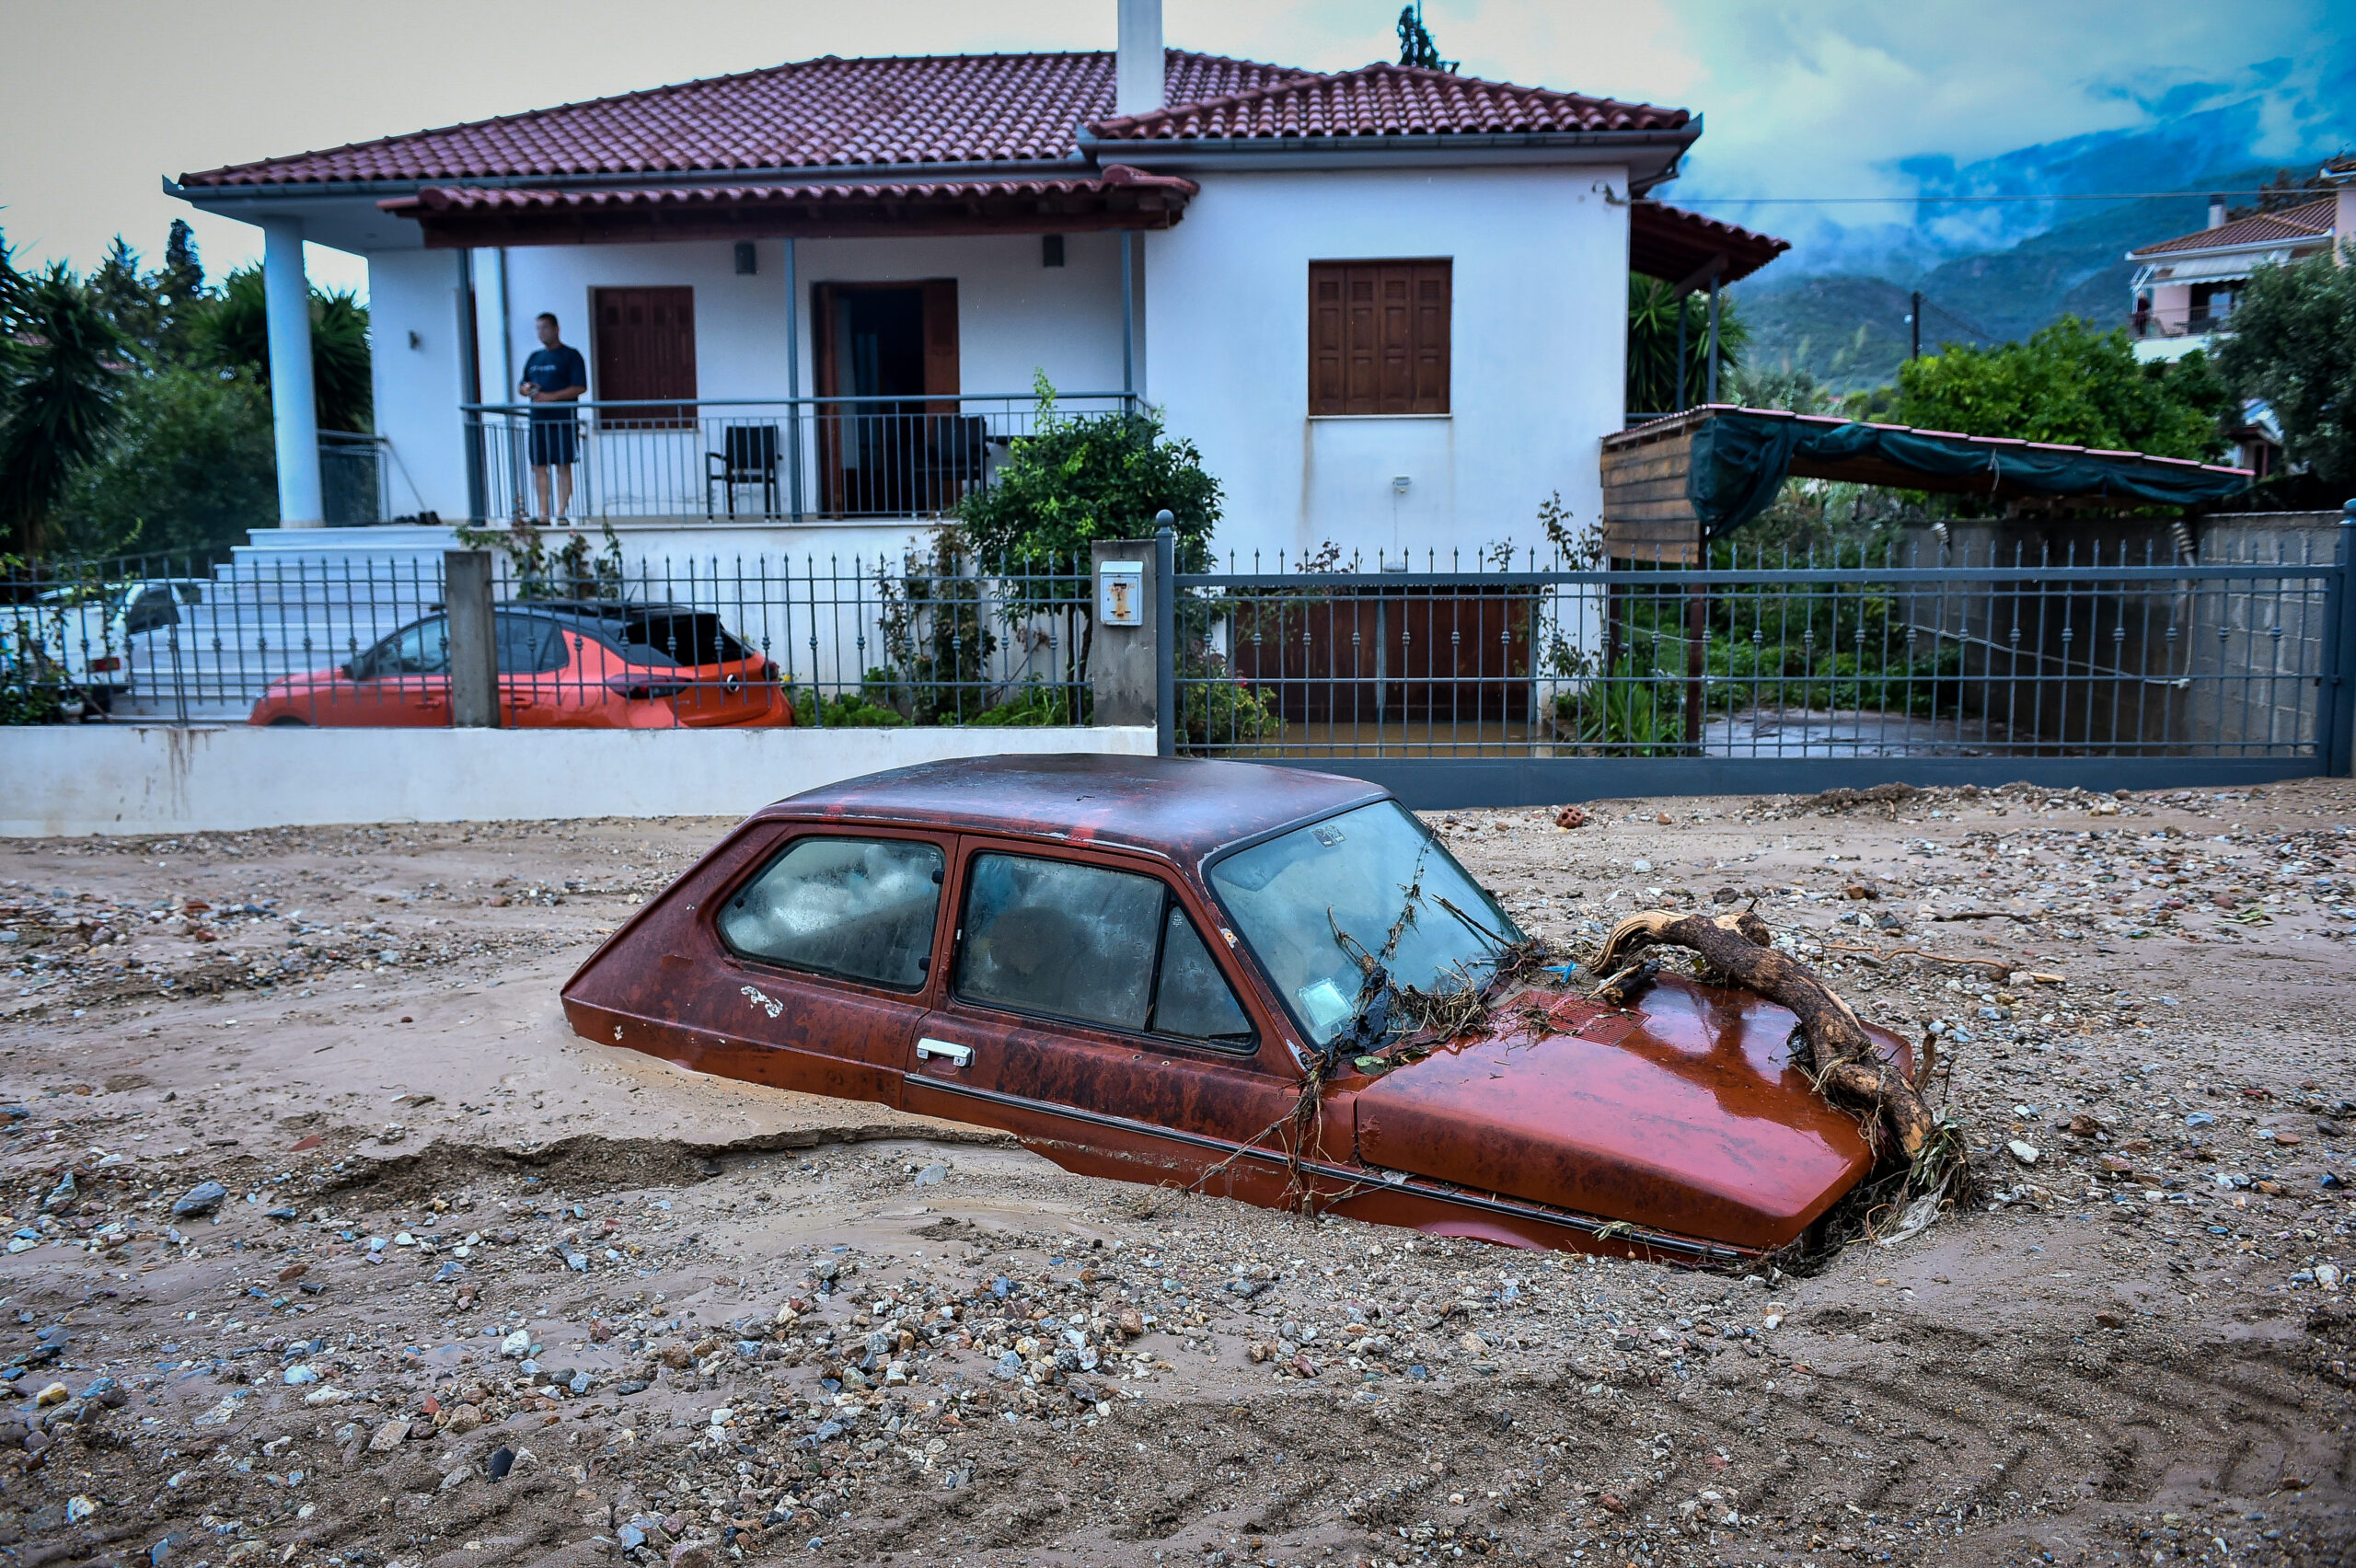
[1129, 963]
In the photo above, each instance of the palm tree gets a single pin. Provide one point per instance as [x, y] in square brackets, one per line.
[58, 385]
[236, 332]
[1652, 345]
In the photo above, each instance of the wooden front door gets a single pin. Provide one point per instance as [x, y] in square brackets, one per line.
[903, 448]
[644, 344]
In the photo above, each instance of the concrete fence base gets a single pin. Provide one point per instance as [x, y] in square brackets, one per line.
[132, 779]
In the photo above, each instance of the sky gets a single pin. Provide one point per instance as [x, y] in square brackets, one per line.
[101, 100]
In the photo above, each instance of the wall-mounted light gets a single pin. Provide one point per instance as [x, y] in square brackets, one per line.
[1398, 483]
[747, 259]
[1051, 251]
[415, 341]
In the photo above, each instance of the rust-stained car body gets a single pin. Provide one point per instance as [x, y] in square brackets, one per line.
[1129, 963]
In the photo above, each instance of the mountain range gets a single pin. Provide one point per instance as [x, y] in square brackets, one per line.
[1836, 306]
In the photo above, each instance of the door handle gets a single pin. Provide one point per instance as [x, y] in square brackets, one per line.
[957, 1055]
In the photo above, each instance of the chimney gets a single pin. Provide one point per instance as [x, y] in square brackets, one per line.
[2216, 211]
[1137, 84]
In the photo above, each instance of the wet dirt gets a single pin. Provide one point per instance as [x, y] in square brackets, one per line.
[760, 1325]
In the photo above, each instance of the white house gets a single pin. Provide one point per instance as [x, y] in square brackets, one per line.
[2185, 288]
[1388, 305]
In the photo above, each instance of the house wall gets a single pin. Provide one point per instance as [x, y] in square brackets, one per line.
[1538, 348]
[1015, 317]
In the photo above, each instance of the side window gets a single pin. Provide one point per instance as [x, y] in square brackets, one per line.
[1191, 998]
[528, 645]
[420, 650]
[153, 608]
[858, 909]
[1092, 944]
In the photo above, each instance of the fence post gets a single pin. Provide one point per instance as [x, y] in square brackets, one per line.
[1165, 634]
[2336, 720]
[1124, 667]
[474, 648]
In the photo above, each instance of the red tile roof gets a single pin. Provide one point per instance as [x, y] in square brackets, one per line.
[1386, 101]
[945, 109]
[807, 113]
[1672, 244]
[2290, 226]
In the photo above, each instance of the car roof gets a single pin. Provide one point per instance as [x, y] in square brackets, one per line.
[1180, 807]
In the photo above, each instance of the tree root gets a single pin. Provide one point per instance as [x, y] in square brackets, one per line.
[1840, 1059]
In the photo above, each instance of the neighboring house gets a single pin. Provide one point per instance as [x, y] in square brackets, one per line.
[1388, 305]
[2184, 288]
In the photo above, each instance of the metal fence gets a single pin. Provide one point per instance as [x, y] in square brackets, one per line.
[1551, 681]
[585, 639]
[790, 459]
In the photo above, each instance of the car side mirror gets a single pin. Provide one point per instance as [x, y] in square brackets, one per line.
[347, 672]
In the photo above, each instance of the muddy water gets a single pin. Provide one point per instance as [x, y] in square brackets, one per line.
[2139, 1351]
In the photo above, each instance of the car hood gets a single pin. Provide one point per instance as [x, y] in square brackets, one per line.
[1683, 1114]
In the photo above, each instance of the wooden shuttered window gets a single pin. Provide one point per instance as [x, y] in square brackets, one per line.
[645, 350]
[1378, 337]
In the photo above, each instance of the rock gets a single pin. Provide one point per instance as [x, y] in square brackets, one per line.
[2024, 1153]
[79, 1507]
[61, 1195]
[297, 1376]
[1570, 816]
[516, 1345]
[463, 1420]
[502, 1459]
[199, 1200]
[389, 1436]
[1473, 1345]
[629, 1538]
[56, 1393]
[1008, 1366]
[676, 1356]
[932, 1175]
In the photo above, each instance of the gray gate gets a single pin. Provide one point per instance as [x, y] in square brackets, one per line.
[1502, 686]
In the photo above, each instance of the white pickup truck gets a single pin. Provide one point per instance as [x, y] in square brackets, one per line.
[93, 642]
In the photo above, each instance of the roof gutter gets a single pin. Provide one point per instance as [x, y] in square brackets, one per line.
[775, 174]
[1424, 150]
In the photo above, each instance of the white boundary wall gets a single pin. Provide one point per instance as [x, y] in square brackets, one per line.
[63, 780]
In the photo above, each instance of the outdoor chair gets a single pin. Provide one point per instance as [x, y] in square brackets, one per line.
[749, 456]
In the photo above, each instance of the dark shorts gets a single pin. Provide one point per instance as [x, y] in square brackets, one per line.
[553, 441]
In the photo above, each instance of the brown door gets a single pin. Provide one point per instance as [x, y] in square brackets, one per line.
[645, 349]
[902, 447]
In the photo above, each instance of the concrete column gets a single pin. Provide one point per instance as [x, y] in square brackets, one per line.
[294, 404]
[474, 640]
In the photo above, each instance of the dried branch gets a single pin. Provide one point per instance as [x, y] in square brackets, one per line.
[1841, 1060]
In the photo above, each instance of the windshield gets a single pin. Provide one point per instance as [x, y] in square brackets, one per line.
[1353, 871]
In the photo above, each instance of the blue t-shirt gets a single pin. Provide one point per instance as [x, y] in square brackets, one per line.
[553, 369]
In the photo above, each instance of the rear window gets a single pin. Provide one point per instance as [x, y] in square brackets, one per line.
[683, 636]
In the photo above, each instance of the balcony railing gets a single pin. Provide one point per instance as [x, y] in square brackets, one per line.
[2153, 324]
[783, 459]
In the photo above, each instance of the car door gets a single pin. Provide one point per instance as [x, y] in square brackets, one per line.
[827, 965]
[1085, 1011]
[533, 654]
[403, 682]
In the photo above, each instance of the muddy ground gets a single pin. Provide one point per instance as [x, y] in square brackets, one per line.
[683, 1320]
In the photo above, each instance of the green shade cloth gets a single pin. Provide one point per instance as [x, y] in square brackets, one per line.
[1741, 459]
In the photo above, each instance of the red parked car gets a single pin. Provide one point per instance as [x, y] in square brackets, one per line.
[561, 665]
[1131, 964]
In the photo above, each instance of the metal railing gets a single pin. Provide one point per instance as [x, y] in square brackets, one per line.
[777, 459]
[2155, 324]
[585, 639]
[1979, 660]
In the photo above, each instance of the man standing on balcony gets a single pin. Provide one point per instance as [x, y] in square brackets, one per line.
[554, 379]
